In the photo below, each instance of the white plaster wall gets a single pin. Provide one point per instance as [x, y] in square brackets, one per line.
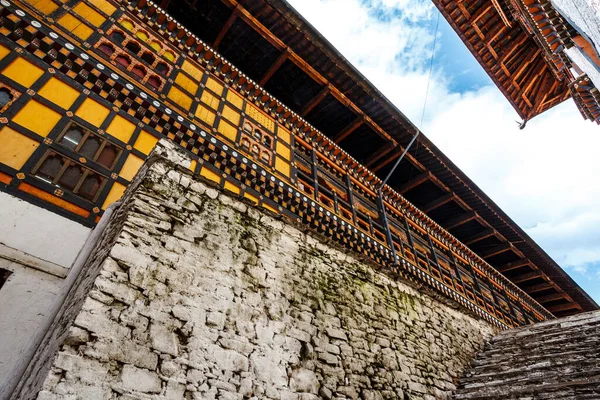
[39, 247]
[39, 232]
[25, 301]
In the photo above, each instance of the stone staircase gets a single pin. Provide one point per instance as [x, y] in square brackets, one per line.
[557, 359]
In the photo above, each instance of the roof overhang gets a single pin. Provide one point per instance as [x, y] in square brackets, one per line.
[285, 56]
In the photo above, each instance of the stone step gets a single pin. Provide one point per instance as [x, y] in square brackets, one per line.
[558, 359]
[565, 348]
[589, 318]
[578, 386]
[587, 337]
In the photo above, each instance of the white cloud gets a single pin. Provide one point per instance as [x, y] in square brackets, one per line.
[546, 177]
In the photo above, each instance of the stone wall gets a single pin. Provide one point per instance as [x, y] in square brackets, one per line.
[204, 297]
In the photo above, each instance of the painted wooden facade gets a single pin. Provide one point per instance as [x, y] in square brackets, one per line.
[87, 88]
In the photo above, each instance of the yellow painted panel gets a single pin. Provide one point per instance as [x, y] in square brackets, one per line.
[268, 207]
[231, 114]
[23, 72]
[3, 52]
[282, 166]
[193, 165]
[186, 83]
[89, 14]
[156, 46]
[92, 112]
[44, 6]
[180, 98]
[192, 70]
[214, 85]
[143, 36]
[127, 24]
[145, 142]
[284, 135]
[15, 149]
[283, 151]
[227, 130]
[260, 117]
[235, 99]
[37, 118]
[210, 100]
[59, 93]
[115, 194]
[69, 22]
[253, 199]
[82, 32]
[169, 56]
[231, 187]
[121, 129]
[209, 174]
[103, 6]
[131, 167]
[204, 114]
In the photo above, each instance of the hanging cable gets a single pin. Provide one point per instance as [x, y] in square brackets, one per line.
[383, 183]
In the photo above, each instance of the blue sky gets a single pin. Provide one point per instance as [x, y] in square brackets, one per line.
[545, 177]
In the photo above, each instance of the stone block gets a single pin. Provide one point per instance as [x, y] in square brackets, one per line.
[303, 380]
[163, 339]
[140, 380]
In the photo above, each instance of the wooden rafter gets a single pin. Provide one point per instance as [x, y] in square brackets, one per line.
[563, 307]
[354, 125]
[523, 262]
[414, 182]
[385, 162]
[305, 67]
[276, 65]
[539, 287]
[379, 154]
[440, 201]
[460, 220]
[499, 249]
[226, 26]
[484, 234]
[552, 297]
[315, 100]
[527, 277]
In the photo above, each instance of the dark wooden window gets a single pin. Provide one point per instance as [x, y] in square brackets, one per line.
[69, 175]
[90, 146]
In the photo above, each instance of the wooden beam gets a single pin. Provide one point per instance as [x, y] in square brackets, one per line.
[484, 234]
[514, 265]
[538, 288]
[273, 68]
[234, 15]
[461, 219]
[563, 307]
[386, 161]
[348, 130]
[527, 277]
[494, 251]
[381, 152]
[484, 8]
[315, 101]
[440, 201]
[414, 182]
[516, 43]
[552, 297]
[304, 66]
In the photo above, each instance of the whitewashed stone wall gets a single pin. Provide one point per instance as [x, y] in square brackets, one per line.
[204, 297]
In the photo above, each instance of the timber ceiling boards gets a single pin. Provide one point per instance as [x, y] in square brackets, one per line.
[511, 56]
[300, 68]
